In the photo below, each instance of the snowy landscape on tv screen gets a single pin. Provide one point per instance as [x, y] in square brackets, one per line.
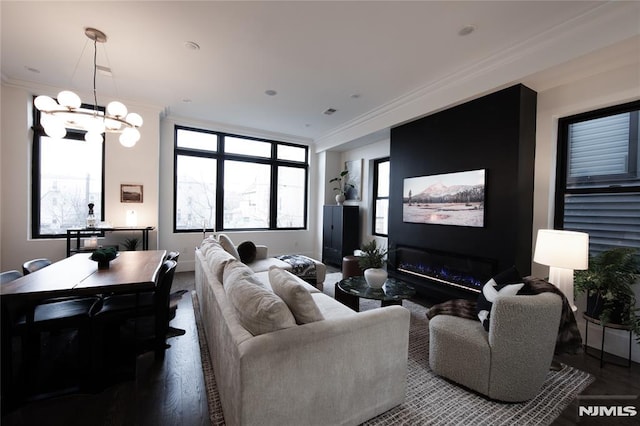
[446, 199]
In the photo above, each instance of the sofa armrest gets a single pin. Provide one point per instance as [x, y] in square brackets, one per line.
[359, 362]
[261, 252]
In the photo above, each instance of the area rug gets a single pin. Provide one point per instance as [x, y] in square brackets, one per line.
[432, 400]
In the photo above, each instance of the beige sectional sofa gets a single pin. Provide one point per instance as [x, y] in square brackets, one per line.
[263, 262]
[299, 359]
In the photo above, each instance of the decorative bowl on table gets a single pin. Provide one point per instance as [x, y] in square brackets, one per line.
[103, 256]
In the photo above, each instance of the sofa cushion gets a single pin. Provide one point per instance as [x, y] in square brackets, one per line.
[259, 310]
[216, 259]
[506, 283]
[247, 251]
[295, 295]
[227, 244]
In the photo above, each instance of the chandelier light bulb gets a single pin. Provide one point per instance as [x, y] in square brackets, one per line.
[117, 109]
[55, 130]
[69, 99]
[45, 103]
[95, 125]
[67, 112]
[129, 137]
[134, 119]
[93, 137]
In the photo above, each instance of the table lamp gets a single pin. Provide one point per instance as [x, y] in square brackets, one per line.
[563, 252]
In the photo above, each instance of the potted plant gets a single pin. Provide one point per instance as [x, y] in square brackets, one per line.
[608, 283]
[130, 244]
[103, 256]
[371, 260]
[341, 186]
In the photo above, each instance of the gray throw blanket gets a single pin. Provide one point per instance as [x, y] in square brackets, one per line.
[569, 340]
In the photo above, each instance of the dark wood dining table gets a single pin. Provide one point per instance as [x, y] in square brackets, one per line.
[78, 275]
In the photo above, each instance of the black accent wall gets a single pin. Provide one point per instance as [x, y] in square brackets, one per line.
[495, 133]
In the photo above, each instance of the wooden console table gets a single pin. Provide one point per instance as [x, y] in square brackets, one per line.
[77, 233]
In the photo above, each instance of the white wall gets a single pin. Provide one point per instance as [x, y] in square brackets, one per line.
[122, 165]
[607, 88]
[335, 162]
[278, 242]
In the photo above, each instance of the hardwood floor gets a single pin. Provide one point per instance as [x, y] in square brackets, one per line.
[168, 392]
[172, 392]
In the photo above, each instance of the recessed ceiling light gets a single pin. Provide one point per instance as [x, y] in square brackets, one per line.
[355, 96]
[466, 30]
[34, 70]
[186, 100]
[329, 111]
[270, 92]
[191, 45]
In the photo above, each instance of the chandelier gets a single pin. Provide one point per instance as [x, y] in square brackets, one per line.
[67, 112]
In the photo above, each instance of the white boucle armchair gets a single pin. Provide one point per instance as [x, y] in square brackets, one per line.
[511, 361]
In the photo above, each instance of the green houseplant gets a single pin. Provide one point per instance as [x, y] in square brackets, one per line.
[608, 284]
[103, 256]
[341, 186]
[371, 260]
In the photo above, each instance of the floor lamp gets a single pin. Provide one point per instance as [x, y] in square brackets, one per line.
[563, 252]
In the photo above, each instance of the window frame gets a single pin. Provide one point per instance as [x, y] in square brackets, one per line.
[608, 185]
[36, 187]
[376, 163]
[220, 156]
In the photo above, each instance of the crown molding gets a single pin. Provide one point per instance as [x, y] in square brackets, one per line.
[597, 28]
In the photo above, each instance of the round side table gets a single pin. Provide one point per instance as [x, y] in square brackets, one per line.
[604, 326]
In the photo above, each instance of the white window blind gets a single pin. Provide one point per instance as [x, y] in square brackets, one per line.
[599, 147]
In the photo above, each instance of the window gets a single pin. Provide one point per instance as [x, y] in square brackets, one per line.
[67, 175]
[228, 182]
[598, 185]
[381, 197]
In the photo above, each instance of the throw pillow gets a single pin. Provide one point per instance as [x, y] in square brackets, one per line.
[295, 295]
[506, 283]
[259, 310]
[247, 252]
[227, 244]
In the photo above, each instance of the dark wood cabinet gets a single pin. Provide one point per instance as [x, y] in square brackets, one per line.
[340, 233]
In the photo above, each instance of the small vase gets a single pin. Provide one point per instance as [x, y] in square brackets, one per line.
[339, 199]
[103, 264]
[375, 277]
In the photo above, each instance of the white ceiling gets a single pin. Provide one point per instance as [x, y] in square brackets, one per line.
[361, 58]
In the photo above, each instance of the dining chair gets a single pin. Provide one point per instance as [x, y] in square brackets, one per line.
[34, 264]
[120, 308]
[8, 276]
[52, 316]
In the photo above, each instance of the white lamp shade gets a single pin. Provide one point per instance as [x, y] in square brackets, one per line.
[562, 249]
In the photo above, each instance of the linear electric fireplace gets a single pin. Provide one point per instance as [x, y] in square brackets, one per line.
[448, 269]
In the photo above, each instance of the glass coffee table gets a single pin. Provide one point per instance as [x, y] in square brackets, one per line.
[393, 292]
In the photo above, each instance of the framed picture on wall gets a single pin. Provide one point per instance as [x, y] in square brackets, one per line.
[130, 193]
[445, 199]
[353, 178]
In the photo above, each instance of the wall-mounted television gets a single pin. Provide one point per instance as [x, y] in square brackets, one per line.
[445, 199]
